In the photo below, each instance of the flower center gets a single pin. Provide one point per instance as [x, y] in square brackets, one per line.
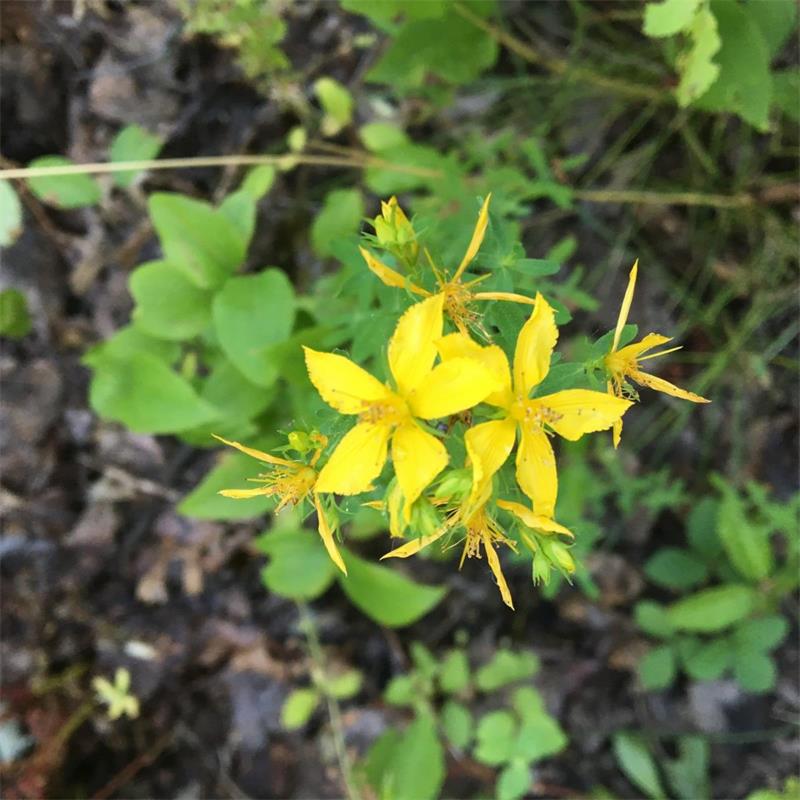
[532, 412]
[391, 411]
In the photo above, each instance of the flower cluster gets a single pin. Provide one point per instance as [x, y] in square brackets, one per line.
[443, 382]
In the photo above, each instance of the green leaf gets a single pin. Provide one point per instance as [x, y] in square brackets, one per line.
[528, 703]
[657, 668]
[514, 781]
[417, 766]
[15, 320]
[709, 660]
[402, 690]
[299, 567]
[744, 85]
[506, 667]
[63, 191]
[168, 305]
[377, 764]
[777, 21]
[712, 609]
[786, 92]
[748, 546]
[133, 143]
[652, 618]
[197, 239]
[251, 314]
[457, 723]
[636, 762]
[674, 568]
[131, 340]
[697, 66]
[146, 395]
[754, 671]
[496, 737]
[762, 633]
[230, 472]
[688, 773]
[298, 708]
[236, 398]
[339, 218]
[10, 214]
[346, 685]
[701, 529]
[381, 136]
[385, 595]
[239, 207]
[669, 17]
[337, 103]
[454, 675]
[539, 738]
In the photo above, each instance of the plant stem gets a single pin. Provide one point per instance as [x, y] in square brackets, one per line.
[560, 66]
[285, 160]
[334, 712]
[639, 196]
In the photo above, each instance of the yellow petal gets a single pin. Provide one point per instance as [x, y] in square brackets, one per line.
[489, 445]
[259, 454]
[459, 345]
[412, 348]
[326, 534]
[537, 522]
[418, 458]
[389, 276]
[394, 506]
[342, 384]
[477, 238]
[415, 545]
[535, 344]
[451, 387]
[246, 494]
[508, 296]
[536, 470]
[660, 385]
[357, 460]
[616, 428]
[633, 351]
[574, 412]
[494, 565]
[626, 305]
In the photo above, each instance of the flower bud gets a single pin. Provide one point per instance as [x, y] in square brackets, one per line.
[559, 555]
[300, 441]
[455, 484]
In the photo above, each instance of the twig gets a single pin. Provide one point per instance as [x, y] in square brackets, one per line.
[334, 712]
[640, 196]
[128, 772]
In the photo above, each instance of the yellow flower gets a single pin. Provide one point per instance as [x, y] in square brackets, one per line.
[458, 297]
[385, 414]
[291, 482]
[570, 413]
[623, 364]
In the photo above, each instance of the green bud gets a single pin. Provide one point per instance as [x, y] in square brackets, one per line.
[424, 518]
[300, 441]
[455, 484]
[541, 569]
[559, 555]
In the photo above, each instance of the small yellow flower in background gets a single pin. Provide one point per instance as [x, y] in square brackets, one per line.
[570, 413]
[385, 414]
[623, 364]
[291, 482]
[115, 695]
[458, 297]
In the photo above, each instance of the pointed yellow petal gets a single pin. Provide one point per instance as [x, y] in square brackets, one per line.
[412, 348]
[494, 565]
[488, 445]
[626, 305]
[616, 428]
[259, 454]
[451, 387]
[459, 345]
[534, 349]
[660, 385]
[357, 460]
[389, 276]
[536, 470]
[245, 494]
[508, 296]
[537, 522]
[574, 412]
[342, 384]
[326, 534]
[418, 458]
[477, 238]
[634, 350]
[415, 545]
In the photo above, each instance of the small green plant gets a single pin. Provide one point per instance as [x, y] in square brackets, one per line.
[728, 622]
[117, 695]
[512, 738]
[15, 319]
